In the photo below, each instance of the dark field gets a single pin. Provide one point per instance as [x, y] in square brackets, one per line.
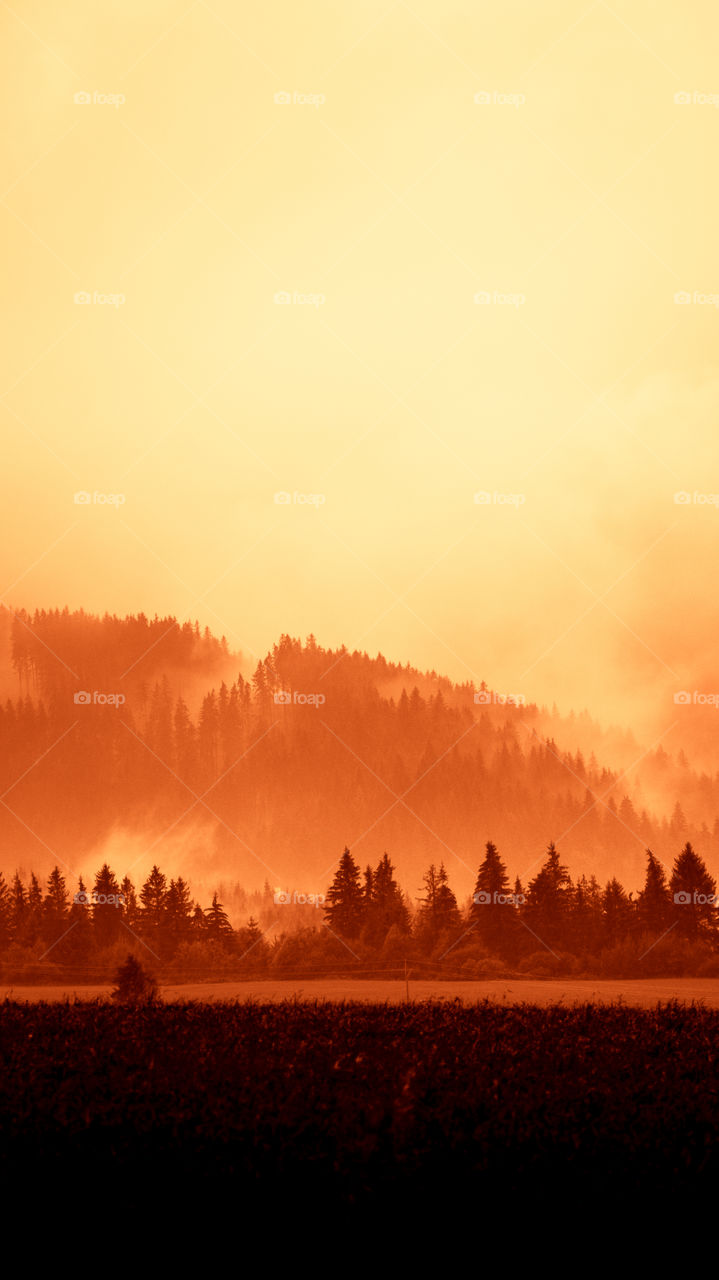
[277, 1108]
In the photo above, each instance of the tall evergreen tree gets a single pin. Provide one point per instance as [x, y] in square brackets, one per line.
[18, 909]
[617, 914]
[345, 905]
[178, 912]
[547, 910]
[131, 913]
[492, 913]
[654, 905]
[694, 893]
[5, 913]
[34, 916]
[55, 907]
[438, 914]
[153, 896]
[388, 907]
[218, 927]
[586, 918]
[76, 947]
[106, 913]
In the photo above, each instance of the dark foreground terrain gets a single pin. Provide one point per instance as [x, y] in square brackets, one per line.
[323, 1107]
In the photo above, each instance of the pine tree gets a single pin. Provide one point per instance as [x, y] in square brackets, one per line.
[617, 914]
[34, 915]
[694, 894]
[493, 911]
[218, 927]
[251, 946]
[388, 907]
[586, 919]
[439, 913]
[106, 913]
[178, 912]
[153, 896]
[18, 910]
[76, 947]
[5, 913]
[55, 907]
[130, 910]
[345, 905]
[547, 911]
[654, 905]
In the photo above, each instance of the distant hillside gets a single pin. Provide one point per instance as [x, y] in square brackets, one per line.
[186, 755]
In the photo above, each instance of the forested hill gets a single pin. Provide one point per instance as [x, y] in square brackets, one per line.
[155, 733]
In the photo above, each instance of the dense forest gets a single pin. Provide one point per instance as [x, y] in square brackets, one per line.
[365, 923]
[147, 731]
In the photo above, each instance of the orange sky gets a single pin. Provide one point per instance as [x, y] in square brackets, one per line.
[389, 199]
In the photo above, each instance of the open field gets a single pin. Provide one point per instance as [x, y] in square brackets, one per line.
[640, 993]
[326, 1106]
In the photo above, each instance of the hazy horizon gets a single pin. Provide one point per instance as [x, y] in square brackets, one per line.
[378, 262]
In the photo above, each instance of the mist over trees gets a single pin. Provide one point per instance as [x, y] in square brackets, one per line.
[144, 725]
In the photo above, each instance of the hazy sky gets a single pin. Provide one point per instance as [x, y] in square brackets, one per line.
[430, 153]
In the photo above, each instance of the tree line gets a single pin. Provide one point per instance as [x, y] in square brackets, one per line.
[553, 913]
[368, 923]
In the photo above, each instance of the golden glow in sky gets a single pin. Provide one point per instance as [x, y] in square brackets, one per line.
[378, 259]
